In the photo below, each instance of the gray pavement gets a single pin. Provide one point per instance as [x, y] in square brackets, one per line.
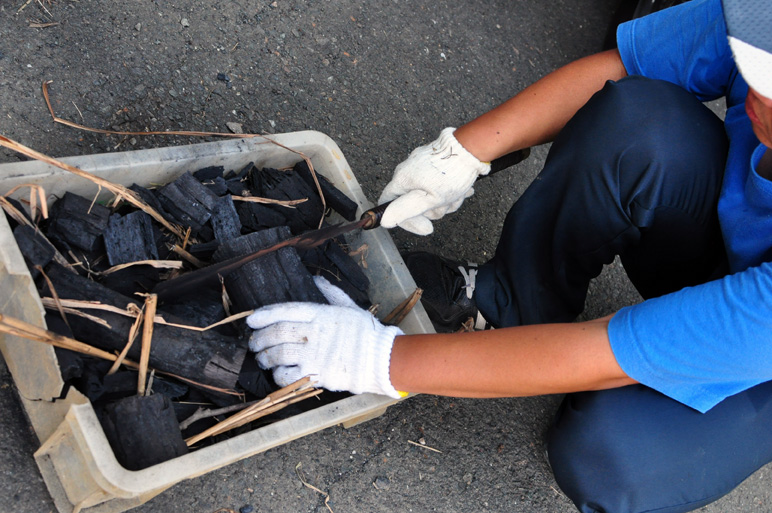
[380, 78]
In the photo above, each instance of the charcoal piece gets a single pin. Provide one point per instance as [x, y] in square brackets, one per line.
[276, 277]
[171, 389]
[187, 201]
[255, 380]
[117, 386]
[35, 247]
[246, 171]
[70, 364]
[238, 187]
[18, 206]
[217, 186]
[78, 221]
[205, 234]
[201, 310]
[132, 280]
[207, 357]
[225, 219]
[347, 265]
[318, 263]
[164, 241]
[289, 185]
[143, 431]
[208, 173]
[130, 238]
[334, 197]
[151, 198]
[204, 250]
[257, 216]
[89, 383]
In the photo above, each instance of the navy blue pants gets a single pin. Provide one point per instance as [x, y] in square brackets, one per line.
[636, 173]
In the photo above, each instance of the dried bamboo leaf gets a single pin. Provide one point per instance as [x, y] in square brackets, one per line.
[133, 331]
[272, 402]
[56, 298]
[158, 264]
[400, 312]
[269, 201]
[187, 256]
[78, 304]
[147, 336]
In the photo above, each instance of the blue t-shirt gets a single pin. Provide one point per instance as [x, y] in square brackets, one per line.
[705, 343]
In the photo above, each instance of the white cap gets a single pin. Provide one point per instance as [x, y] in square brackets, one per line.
[749, 28]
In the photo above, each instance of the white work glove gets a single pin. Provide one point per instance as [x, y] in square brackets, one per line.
[340, 345]
[433, 181]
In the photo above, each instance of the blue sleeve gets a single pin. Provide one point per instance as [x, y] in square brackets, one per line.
[686, 45]
[701, 344]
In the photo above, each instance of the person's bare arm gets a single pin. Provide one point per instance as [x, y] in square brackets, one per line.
[520, 361]
[536, 114]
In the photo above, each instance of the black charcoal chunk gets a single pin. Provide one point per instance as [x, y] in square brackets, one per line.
[285, 186]
[187, 201]
[276, 277]
[18, 206]
[151, 198]
[347, 265]
[169, 388]
[131, 280]
[238, 187]
[130, 238]
[202, 309]
[255, 380]
[318, 264]
[78, 221]
[70, 363]
[208, 173]
[225, 219]
[333, 196]
[143, 431]
[118, 386]
[33, 245]
[217, 186]
[204, 250]
[257, 216]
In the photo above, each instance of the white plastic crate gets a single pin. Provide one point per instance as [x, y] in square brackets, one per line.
[75, 458]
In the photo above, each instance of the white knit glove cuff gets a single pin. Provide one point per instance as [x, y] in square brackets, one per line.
[448, 148]
[381, 349]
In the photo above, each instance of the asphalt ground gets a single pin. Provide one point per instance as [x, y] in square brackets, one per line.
[380, 78]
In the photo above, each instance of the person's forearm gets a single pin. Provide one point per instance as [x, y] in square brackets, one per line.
[536, 114]
[509, 362]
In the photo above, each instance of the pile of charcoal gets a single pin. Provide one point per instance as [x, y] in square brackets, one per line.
[69, 253]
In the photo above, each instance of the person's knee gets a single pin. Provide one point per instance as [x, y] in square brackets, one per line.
[576, 463]
[640, 120]
[593, 460]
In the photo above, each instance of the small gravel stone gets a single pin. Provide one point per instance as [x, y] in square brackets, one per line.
[382, 483]
[236, 128]
[246, 509]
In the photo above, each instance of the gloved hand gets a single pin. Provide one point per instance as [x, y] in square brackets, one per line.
[341, 345]
[433, 181]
